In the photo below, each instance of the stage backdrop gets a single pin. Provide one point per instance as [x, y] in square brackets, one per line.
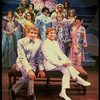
[87, 9]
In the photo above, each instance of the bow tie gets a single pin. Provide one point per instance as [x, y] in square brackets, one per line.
[31, 41]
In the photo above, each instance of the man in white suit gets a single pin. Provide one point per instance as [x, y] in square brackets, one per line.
[28, 50]
[54, 59]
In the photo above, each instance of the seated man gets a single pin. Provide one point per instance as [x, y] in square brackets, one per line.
[28, 49]
[55, 59]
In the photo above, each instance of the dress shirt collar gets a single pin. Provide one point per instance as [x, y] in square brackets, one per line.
[50, 41]
[30, 41]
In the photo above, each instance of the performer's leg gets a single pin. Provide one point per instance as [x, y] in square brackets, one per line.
[30, 87]
[18, 85]
[74, 74]
[65, 83]
[22, 80]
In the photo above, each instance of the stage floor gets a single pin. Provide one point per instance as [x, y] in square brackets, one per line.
[91, 94]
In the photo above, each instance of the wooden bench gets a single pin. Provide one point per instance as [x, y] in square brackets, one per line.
[52, 78]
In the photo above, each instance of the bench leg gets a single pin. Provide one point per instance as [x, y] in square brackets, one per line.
[10, 82]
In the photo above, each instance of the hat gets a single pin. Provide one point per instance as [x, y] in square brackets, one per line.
[30, 5]
[28, 14]
[72, 10]
[59, 5]
[23, 0]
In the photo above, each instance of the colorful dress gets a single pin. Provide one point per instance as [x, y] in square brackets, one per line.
[43, 22]
[71, 21]
[9, 42]
[20, 19]
[39, 4]
[54, 14]
[62, 32]
[78, 35]
[51, 4]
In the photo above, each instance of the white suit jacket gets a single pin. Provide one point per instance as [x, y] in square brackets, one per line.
[27, 52]
[53, 56]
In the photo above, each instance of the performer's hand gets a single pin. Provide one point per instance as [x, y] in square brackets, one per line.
[8, 32]
[67, 64]
[84, 45]
[59, 25]
[31, 74]
[41, 74]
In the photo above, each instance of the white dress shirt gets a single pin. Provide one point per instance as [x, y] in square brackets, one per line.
[53, 56]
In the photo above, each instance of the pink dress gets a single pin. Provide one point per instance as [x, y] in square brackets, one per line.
[78, 36]
[50, 4]
[39, 4]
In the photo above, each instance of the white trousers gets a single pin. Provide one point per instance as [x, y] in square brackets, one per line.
[68, 72]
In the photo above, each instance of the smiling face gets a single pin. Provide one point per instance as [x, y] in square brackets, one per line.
[51, 34]
[33, 32]
[23, 2]
[46, 12]
[71, 14]
[9, 14]
[66, 5]
[30, 8]
[59, 9]
[59, 17]
[28, 16]
[20, 13]
[77, 22]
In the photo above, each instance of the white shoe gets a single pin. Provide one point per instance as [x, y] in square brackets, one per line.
[84, 83]
[64, 96]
